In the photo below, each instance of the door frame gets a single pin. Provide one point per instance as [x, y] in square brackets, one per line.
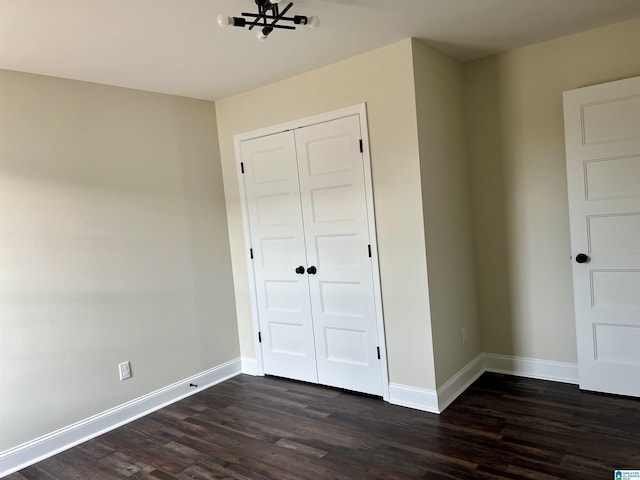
[361, 111]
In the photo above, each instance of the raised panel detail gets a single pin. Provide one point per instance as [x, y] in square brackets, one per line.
[277, 253]
[615, 288]
[333, 204]
[614, 233]
[287, 338]
[282, 296]
[612, 177]
[342, 299]
[275, 210]
[346, 346]
[274, 165]
[617, 343]
[611, 120]
[337, 251]
[326, 155]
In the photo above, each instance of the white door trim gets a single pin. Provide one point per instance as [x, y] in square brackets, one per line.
[361, 111]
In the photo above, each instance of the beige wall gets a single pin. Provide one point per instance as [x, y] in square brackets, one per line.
[383, 79]
[519, 193]
[447, 209]
[113, 247]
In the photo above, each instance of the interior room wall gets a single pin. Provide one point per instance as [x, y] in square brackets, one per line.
[113, 247]
[447, 209]
[518, 189]
[113, 225]
[383, 79]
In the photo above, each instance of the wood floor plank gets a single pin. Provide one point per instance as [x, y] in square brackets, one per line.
[262, 428]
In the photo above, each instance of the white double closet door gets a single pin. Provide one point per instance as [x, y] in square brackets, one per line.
[307, 210]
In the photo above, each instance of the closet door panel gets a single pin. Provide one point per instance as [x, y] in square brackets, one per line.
[277, 236]
[334, 209]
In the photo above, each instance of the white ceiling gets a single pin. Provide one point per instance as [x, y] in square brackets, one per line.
[176, 47]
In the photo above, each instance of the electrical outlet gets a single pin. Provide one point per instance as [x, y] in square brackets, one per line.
[125, 370]
[464, 335]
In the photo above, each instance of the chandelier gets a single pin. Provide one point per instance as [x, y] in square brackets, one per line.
[268, 18]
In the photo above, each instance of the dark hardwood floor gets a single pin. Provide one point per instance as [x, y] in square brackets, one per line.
[269, 428]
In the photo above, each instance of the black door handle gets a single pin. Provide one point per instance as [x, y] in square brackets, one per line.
[300, 270]
[312, 270]
[582, 258]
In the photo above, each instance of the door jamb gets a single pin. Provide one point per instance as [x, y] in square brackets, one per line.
[361, 111]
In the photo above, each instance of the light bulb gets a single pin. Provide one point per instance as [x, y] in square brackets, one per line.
[224, 21]
[313, 22]
[263, 33]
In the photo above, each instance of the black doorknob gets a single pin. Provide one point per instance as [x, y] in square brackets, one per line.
[300, 270]
[311, 270]
[582, 258]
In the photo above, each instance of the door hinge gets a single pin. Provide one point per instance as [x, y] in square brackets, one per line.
[361, 147]
[259, 337]
[242, 167]
[251, 253]
[378, 348]
[369, 248]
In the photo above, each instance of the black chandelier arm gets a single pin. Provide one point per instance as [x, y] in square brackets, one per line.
[280, 15]
[272, 25]
[277, 16]
[283, 27]
[270, 17]
[261, 13]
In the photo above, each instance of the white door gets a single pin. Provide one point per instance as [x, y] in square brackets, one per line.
[273, 200]
[602, 132]
[334, 209]
[313, 274]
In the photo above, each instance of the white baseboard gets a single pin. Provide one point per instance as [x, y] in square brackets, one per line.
[531, 368]
[404, 395]
[435, 401]
[413, 397]
[249, 366]
[31, 452]
[457, 384]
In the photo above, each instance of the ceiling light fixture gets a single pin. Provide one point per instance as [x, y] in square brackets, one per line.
[267, 19]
